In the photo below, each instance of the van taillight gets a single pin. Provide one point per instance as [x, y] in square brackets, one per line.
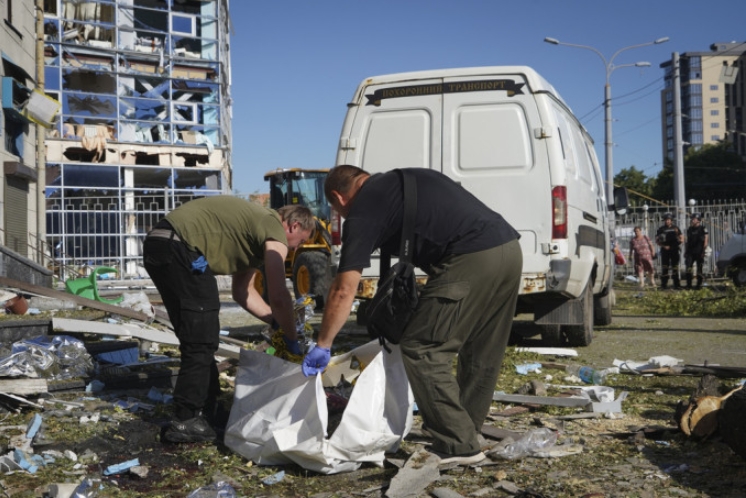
[336, 228]
[559, 213]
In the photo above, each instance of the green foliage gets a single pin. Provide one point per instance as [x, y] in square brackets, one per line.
[713, 172]
[639, 185]
[704, 303]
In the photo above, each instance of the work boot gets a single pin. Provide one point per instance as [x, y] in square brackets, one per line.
[194, 430]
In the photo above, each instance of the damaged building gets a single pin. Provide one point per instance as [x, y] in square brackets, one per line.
[25, 110]
[144, 123]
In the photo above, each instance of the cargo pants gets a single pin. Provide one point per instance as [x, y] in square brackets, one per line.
[465, 311]
[193, 304]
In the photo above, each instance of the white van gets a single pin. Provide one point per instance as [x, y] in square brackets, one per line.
[507, 136]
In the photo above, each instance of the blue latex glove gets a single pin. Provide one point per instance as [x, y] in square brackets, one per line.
[199, 265]
[293, 345]
[316, 361]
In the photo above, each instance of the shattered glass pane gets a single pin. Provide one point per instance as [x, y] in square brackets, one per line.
[89, 105]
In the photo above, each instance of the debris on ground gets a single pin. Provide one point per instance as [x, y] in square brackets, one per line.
[99, 434]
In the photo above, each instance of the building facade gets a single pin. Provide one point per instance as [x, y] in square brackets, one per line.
[21, 217]
[712, 98]
[144, 124]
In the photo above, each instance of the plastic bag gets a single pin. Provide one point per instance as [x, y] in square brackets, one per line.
[279, 416]
[533, 441]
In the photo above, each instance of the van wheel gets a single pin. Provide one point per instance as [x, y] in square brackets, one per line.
[602, 310]
[311, 276]
[739, 276]
[582, 335]
[551, 335]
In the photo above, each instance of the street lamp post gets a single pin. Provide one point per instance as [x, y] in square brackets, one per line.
[610, 68]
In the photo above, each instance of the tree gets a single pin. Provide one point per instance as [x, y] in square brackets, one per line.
[639, 185]
[711, 173]
[714, 172]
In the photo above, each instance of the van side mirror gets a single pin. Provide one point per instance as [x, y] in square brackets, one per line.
[621, 200]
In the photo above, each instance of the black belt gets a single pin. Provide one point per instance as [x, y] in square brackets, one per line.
[164, 233]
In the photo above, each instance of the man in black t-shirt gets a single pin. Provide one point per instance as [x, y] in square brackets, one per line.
[473, 261]
[697, 238]
[669, 238]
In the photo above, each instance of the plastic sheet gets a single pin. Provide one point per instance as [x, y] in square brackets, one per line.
[279, 416]
[58, 357]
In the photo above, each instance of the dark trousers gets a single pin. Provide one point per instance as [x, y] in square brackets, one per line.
[193, 304]
[465, 311]
[689, 261]
[670, 259]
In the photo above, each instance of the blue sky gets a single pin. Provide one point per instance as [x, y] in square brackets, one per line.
[296, 64]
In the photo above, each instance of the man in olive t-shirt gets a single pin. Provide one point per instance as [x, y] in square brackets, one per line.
[219, 235]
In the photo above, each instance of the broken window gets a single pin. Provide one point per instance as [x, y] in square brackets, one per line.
[194, 91]
[15, 131]
[146, 178]
[51, 30]
[144, 109]
[101, 177]
[144, 132]
[89, 105]
[89, 81]
[51, 7]
[196, 179]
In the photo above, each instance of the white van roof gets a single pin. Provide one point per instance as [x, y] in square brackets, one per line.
[536, 82]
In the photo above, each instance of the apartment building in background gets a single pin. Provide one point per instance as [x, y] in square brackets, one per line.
[713, 86]
[21, 216]
[144, 124]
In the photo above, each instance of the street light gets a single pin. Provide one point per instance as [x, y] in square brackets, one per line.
[610, 68]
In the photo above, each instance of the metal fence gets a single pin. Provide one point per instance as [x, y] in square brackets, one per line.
[85, 232]
[722, 220]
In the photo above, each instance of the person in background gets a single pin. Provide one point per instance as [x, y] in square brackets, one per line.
[221, 235]
[669, 238]
[697, 240]
[641, 251]
[473, 262]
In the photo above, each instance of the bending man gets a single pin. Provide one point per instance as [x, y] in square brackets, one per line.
[473, 261]
[219, 235]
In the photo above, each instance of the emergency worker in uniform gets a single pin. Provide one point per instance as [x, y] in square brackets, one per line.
[220, 235]
[473, 262]
[669, 238]
[697, 239]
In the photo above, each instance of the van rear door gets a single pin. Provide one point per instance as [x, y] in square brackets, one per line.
[393, 125]
[494, 145]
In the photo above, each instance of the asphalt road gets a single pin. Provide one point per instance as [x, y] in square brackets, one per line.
[695, 341]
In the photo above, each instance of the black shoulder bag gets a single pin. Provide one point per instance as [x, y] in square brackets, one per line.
[396, 297]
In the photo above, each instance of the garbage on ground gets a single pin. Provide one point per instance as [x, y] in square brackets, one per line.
[549, 351]
[220, 489]
[587, 374]
[292, 427]
[16, 305]
[121, 467]
[533, 441]
[58, 357]
[630, 366]
[527, 368]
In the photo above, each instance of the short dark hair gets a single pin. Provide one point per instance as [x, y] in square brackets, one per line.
[301, 214]
[341, 178]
